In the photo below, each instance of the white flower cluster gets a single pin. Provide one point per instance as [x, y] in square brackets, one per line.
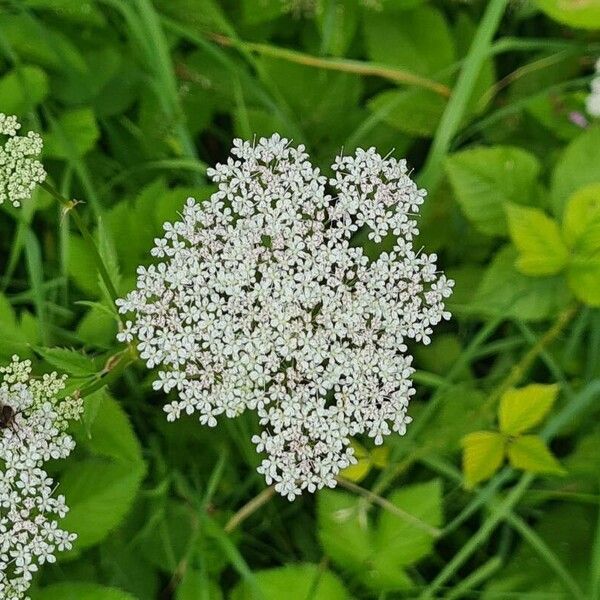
[33, 432]
[260, 301]
[20, 171]
[593, 100]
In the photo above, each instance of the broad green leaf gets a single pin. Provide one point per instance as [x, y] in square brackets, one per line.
[418, 40]
[405, 540]
[70, 361]
[413, 111]
[82, 267]
[576, 167]
[80, 591]
[530, 453]
[575, 13]
[483, 453]
[506, 292]
[22, 89]
[84, 12]
[75, 133]
[337, 21]
[485, 180]
[583, 276]
[581, 221]
[99, 493]
[538, 239]
[523, 408]
[195, 585]
[344, 530]
[294, 582]
[111, 434]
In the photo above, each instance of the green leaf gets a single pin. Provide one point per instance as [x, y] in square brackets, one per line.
[195, 585]
[523, 408]
[344, 530]
[576, 167]
[530, 453]
[418, 40]
[296, 582]
[483, 453]
[74, 134]
[572, 12]
[23, 89]
[70, 361]
[581, 221]
[583, 276]
[526, 298]
[424, 107]
[111, 434]
[538, 239]
[406, 541]
[337, 21]
[99, 493]
[360, 470]
[485, 180]
[80, 591]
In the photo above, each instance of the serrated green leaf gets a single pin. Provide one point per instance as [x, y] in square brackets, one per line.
[577, 166]
[74, 134]
[523, 408]
[583, 276]
[526, 298]
[344, 530]
[296, 582]
[538, 239]
[581, 221]
[483, 453]
[99, 494]
[530, 453]
[403, 539]
[485, 180]
[80, 591]
[70, 361]
[22, 89]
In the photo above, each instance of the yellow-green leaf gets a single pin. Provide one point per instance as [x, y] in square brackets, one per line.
[537, 237]
[358, 471]
[530, 453]
[583, 277]
[581, 222]
[523, 408]
[483, 453]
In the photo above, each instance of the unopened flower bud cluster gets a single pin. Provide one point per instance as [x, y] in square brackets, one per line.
[593, 100]
[20, 171]
[29, 531]
[260, 301]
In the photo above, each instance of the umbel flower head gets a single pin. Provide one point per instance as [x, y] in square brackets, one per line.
[33, 433]
[260, 301]
[20, 171]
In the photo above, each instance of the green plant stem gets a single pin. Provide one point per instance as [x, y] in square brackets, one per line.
[455, 109]
[249, 508]
[336, 64]
[70, 207]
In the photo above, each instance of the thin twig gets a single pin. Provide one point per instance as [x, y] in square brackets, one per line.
[338, 64]
[387, 505]
[249, 508]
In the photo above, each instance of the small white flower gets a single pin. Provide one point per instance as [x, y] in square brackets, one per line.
[260, 302]
[20, 171]
[29, 532]
[593, 100]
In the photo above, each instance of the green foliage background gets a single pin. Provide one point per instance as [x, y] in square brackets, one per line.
[134, 99]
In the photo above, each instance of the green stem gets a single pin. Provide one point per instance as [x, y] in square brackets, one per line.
[70, 207]
[457, 105]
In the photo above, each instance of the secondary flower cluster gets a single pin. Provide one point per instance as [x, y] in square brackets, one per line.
[593, 100]
[20, 171]
[260, 301]
[33, 433]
